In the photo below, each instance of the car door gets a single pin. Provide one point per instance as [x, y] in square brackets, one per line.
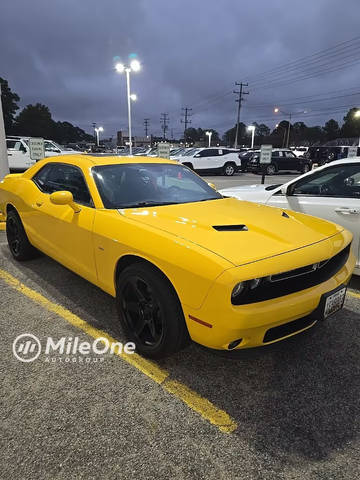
[290, 161]
[277, 159]
[18, 155]
[332, 193]
[206, 159]
[58, 230]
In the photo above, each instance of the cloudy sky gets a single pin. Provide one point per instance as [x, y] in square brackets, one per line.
[300, 55]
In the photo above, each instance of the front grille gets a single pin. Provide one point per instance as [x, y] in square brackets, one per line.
[282, 331]
[293, 281]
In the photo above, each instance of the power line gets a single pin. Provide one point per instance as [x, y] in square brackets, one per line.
[239, 102]
[187, 114]
[164, 122]
[146, 125]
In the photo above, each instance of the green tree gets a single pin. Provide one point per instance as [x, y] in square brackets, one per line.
[9, 101]
[262, 130]
[331, 129]
[229, 135]
[35, 121]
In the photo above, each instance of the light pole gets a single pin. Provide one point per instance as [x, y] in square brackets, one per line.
[98, 130]
[209, 133]
[134, 66]
[357, 115]
[251, 129]
[277, 110]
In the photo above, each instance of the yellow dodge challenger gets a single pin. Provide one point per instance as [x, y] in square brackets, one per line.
[182, 261]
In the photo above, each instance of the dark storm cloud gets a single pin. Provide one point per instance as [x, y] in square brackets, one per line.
[61, 53]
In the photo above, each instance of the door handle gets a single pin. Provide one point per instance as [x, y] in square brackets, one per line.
[347, 211]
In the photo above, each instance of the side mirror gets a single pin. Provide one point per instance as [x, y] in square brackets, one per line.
[212, 185]
[64, 198]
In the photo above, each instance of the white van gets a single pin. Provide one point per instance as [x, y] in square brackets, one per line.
[19, 153]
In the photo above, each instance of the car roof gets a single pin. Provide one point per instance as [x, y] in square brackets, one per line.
[88, 161]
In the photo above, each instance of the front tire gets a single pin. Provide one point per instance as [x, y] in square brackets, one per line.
[150, 312]
[19, 245]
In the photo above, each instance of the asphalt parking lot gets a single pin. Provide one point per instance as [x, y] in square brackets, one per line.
[287, 411]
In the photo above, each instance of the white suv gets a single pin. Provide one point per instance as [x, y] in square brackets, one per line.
[212, 160]
[19, 153]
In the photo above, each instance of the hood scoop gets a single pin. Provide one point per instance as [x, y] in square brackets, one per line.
[231, 228]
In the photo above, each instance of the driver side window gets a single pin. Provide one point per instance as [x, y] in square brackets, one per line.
[338, 181]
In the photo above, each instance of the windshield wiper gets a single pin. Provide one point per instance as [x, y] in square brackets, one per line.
[149, 203]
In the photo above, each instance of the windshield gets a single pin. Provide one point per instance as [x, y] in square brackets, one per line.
[147, 184]
[191, 152]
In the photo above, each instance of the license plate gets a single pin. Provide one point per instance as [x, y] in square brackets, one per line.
[334, 302]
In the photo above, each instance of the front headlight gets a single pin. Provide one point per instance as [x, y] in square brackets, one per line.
[238, 289]
[243, 287]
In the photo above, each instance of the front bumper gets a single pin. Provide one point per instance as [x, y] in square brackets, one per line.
[224, 323]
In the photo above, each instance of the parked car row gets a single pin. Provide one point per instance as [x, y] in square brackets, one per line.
[282, 159]
[331, 192]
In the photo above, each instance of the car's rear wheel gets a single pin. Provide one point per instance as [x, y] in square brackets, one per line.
[229, 169]
[271, 169]
[150, 312]
[19, 245]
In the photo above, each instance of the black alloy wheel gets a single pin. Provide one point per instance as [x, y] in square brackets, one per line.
[149, 311]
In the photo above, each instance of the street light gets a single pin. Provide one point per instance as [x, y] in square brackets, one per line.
[251, 129]
[98, 130]
[134, 66]
[133, 97]
[209, 133]
[357, 115]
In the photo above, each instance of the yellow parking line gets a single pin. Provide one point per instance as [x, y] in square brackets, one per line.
[353, 294]
[2, 225]
[202, 406]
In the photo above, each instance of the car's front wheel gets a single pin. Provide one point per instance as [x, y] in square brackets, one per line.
[19, 245]
[229, 169]
[150, 312]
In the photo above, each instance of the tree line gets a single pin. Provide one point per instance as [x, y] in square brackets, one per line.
[36, 120]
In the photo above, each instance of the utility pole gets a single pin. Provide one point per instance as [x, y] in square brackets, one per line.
[95, 134]
[164, 121]
[187, 114]
[146, 126]
[239, 101]
[4, 164]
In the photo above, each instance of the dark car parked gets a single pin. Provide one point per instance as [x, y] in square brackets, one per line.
[282, 159]
[326, 154]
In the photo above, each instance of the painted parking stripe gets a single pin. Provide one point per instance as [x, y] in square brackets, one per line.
[193, 400]
[2, 226]
[353, 294]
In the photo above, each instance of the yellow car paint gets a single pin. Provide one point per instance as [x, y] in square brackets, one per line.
[202, 263]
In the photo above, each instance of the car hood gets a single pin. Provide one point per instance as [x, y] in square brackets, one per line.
[244, 232]
[248, 192]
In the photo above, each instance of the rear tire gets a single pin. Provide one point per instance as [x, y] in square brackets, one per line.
[229, 169]
[150, 312]
[19, 245]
